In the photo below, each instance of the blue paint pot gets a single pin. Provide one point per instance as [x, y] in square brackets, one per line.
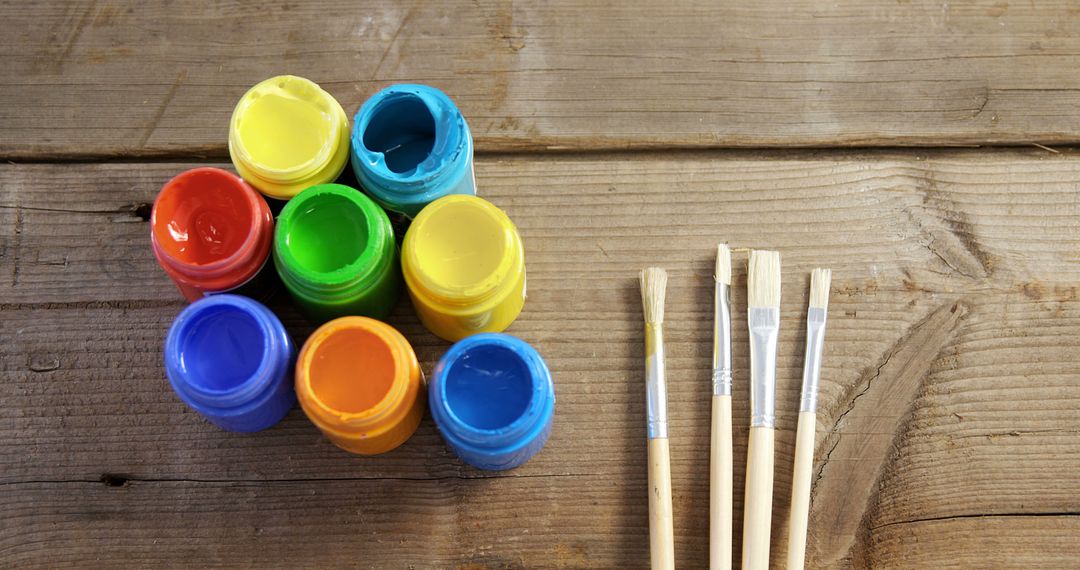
[410, 147]
[230, 359]
[493, 400]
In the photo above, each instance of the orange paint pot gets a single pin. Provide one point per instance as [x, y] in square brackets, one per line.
[358, 381]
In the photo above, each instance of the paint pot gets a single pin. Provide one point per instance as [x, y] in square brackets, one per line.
[358, 381]
[211, 233]
[411, 146]
[492, 397]
[334, 250]
[464, 266]
[287, 134]
[229, 358]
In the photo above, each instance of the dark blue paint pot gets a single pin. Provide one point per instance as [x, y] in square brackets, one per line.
[231, 360]
[410, 147]
[492, 397]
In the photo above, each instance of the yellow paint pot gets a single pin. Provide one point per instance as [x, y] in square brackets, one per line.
[287, 134]
[358, 381]
[464, 266]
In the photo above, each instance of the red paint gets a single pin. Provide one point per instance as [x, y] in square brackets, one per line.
[210, 231]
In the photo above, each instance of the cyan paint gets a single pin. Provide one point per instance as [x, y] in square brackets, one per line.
[493, 400]
[411, 146]
[230, 359]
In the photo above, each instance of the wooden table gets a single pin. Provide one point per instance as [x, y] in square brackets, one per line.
[616, 137]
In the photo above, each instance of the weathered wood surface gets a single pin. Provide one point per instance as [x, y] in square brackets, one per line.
[950, 407]
[122, 78]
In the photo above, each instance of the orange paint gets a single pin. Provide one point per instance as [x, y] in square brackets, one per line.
[358, 381]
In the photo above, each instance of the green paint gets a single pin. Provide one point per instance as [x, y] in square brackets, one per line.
[334, 249]
[327, 235]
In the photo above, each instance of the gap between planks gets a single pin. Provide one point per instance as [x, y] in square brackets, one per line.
[216, 154]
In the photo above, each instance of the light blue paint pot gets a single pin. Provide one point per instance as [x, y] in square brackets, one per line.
[411, 146]
[493, 400]
[230, 359]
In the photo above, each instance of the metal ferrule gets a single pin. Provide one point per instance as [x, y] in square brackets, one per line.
[764, 331]
[655, 384]
[721, 353]
[811, 375]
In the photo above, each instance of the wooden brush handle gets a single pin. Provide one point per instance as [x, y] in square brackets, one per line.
[661, 532]
[757, 502]
[800, 490]
[720, 485]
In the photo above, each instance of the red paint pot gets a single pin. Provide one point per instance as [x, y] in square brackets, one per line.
[210, 232]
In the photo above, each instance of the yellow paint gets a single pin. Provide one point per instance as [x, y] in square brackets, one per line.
[287, 134]
[464, 265]
[283, 133]
[463, 245]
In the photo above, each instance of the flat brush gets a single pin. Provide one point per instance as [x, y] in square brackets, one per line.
[763, 317]
[820, 280]
[720, 455]
[661, 533]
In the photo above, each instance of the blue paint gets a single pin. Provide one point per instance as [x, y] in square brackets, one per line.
[411, 146]
[231, 360]
[493, 400]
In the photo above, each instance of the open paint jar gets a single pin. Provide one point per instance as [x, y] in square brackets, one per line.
[464, 266]
[229, 358]
[493, 400]
[286, 134]
[334, 250]
[358, 381]
[411, 146]
[211, 233]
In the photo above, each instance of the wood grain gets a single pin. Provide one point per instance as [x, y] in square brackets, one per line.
[130, 78]
[948, 381]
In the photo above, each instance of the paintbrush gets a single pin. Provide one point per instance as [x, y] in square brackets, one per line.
[720, 457]
[763, 317]
[804, 438]
[661, 533]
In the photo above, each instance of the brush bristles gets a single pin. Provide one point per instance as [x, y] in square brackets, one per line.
[653, 289]
[763, 279]
[723, 264]
[820, 280]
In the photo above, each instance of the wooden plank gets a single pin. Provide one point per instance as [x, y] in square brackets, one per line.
[445, 523]
[435, 523]
[990, 461]
[108, 78]
[928, 222]
[948, 393]
[979, 542]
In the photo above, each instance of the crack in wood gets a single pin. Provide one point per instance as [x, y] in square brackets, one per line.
[841, 503]
[851, 406]
[120, 480]
[975, 516]
[77, 305]
[16, 247]
[139, 210]
[955, 244]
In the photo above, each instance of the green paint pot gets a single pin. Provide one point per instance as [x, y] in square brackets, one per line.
[334, 249]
